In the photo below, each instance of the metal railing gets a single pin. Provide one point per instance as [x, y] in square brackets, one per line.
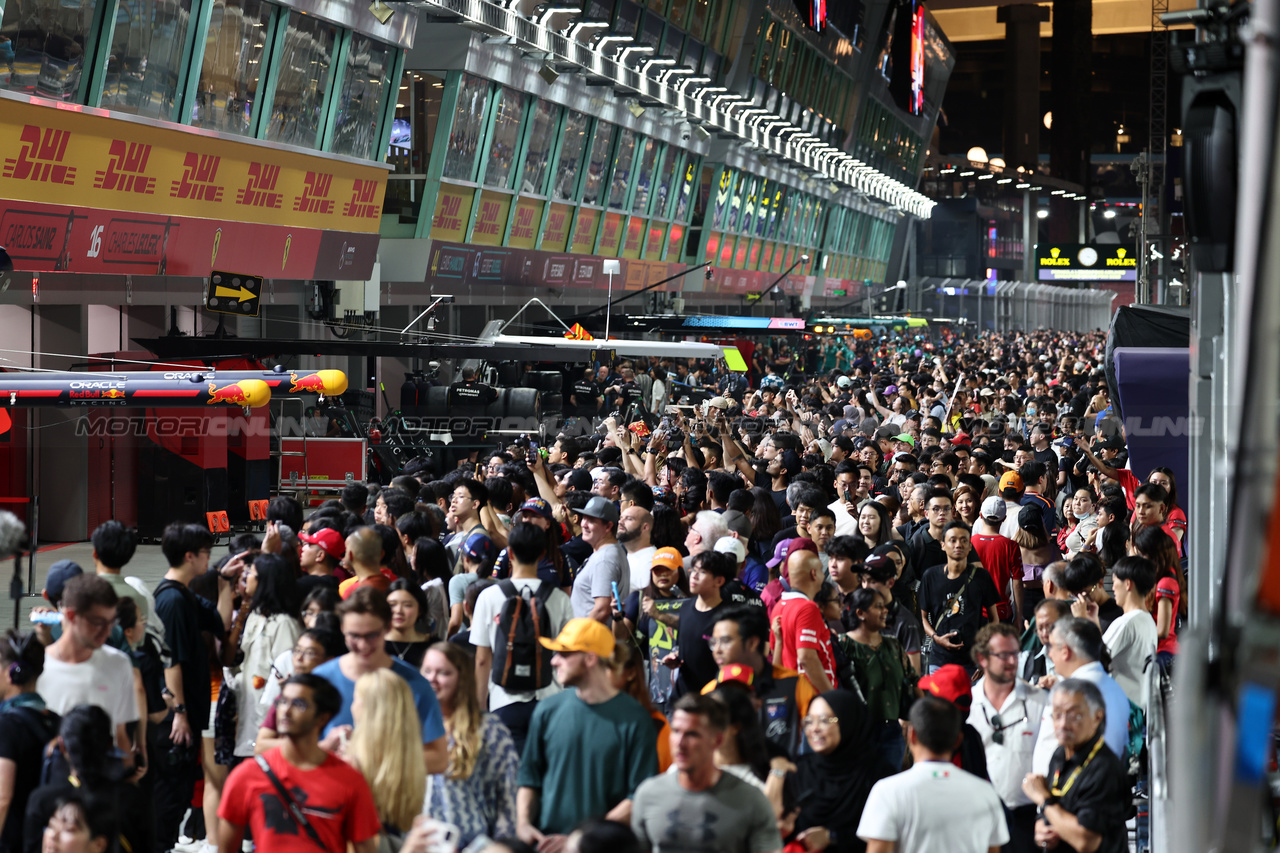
[1012, 306]
[1157, 760]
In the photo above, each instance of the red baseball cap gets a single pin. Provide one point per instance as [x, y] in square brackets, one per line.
[740, 673]
[949, 682]
[329, 540]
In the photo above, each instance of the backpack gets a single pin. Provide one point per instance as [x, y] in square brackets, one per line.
[520, 662]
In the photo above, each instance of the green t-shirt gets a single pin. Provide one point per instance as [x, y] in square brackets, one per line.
[585, 759]
[885, 676]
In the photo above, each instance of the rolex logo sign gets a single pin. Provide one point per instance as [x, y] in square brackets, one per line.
[1122, 258]
[1085, 262]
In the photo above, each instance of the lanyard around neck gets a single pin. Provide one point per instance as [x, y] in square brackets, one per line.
[1062, 792]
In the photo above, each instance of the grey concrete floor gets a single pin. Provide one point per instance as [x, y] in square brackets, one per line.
[148, 563]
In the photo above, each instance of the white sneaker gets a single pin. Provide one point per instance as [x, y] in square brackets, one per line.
[189, 845]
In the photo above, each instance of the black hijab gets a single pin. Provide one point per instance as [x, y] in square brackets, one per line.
[832, 789]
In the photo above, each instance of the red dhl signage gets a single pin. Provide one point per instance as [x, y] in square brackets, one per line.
[85, 159]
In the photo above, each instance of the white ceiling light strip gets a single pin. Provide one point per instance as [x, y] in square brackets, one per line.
[699, 102]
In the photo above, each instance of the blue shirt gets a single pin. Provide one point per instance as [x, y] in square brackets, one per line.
[424, 698]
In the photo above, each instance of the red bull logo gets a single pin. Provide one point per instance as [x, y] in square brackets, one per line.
[250, 393]
[114, 393]
[326, 382]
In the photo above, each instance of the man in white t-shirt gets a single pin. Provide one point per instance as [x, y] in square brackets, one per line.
[526, 544]
[635, 530]
[1132, 638]
[79, 669]
[935, 807]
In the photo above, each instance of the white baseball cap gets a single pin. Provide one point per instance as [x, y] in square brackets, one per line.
[994, 509]
[732, 545]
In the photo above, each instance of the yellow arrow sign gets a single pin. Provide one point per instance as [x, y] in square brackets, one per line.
[241, 294]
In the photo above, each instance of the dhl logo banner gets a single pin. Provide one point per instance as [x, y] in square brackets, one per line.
[83, 158]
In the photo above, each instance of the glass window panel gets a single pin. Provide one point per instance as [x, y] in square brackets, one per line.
[764, 198]
[785, 50]
[674, 43]
[43, 47]
[622, 168]
[740, 190]
[644, 180]
[364, 88]
[711, 65]
[693, 52]
[146, 57]
[658, 6]
[666, 177]
[303, 73]
[764, 50]
[538, 153]
[679, 12]
[776, 209]
[413, 134]
[724, 8]
[699, 14]
[651, 32]
[731, 29]
[628, 18]
[505, 138]
[232, 66]
[748, 219]
[574, 140]
[686, 188]
[597, 163]
[468, 122]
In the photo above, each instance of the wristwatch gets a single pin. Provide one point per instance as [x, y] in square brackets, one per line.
[778, 773]
[179, 709]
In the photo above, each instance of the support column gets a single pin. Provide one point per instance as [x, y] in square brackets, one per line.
[1022, 75]
[1071, 73]
[1030, 227]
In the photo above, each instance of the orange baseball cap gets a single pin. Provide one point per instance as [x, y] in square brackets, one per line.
[1011, 480]
[667, 558]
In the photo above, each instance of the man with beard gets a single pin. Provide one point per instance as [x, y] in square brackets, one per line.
[589, 746]
[635, 528]
[1006, 712]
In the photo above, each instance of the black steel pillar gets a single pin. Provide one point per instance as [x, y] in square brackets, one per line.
[1071, 78]
[1022, 91]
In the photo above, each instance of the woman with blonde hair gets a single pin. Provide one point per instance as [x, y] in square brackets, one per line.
[478, 791]
[386, 746]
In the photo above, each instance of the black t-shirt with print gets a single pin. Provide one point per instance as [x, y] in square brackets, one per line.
[962, 614]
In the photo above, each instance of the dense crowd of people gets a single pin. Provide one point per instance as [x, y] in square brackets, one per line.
[872, 595]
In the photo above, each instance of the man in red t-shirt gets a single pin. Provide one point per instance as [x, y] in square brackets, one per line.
[801, 639]
[1001, 557]
[328, 803]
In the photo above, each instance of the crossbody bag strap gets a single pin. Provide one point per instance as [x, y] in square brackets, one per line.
[946, 605]
[289, 802]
